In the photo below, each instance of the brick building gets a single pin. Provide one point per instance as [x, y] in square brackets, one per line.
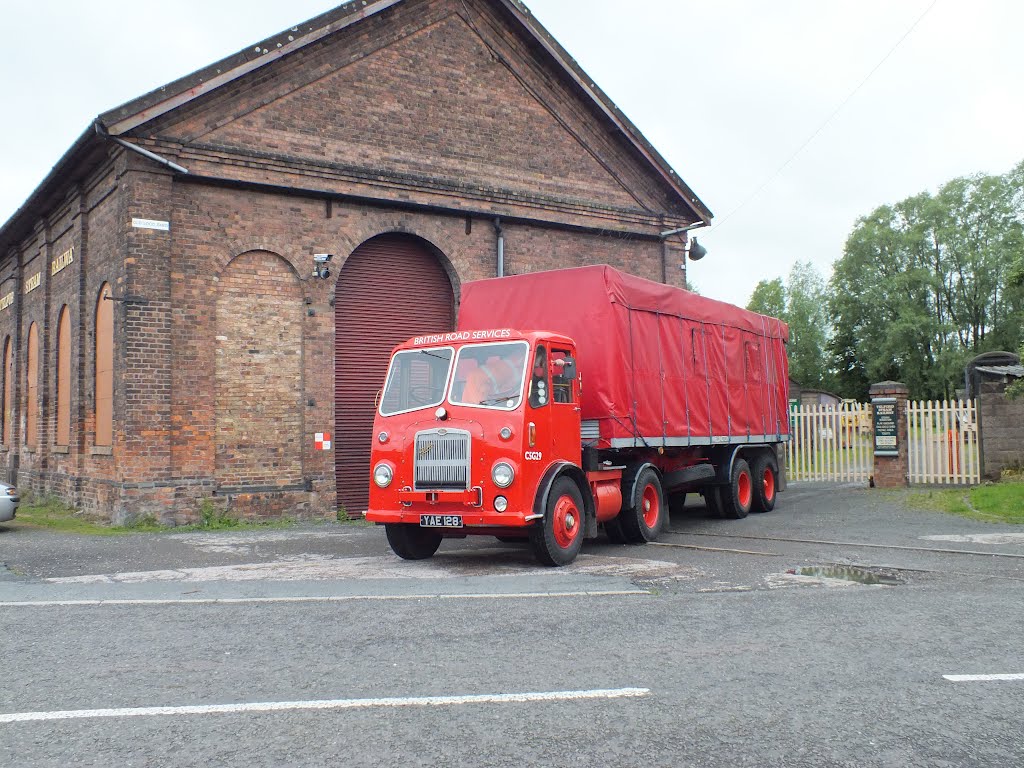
[165, 339]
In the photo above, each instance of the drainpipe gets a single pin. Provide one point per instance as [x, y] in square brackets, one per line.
[501, 247]
[139, 150]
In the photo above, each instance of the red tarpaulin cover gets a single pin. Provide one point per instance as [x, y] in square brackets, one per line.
[660, 365]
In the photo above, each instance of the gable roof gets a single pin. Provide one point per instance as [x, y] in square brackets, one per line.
[120, 120]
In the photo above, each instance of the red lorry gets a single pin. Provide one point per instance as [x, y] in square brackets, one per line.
[630, 395]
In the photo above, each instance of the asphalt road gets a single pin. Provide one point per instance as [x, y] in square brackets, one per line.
[315, 646]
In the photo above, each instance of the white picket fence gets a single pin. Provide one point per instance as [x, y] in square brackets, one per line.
[943, 442]
[835, 443]
[830, 443]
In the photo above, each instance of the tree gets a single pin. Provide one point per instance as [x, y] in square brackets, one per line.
[1016, 390]
[801, 304]
[925, 284]
[769, 298]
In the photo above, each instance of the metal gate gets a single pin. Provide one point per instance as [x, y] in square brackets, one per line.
[390, 289]
[835, 443]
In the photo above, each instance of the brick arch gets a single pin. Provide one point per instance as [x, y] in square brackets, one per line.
[390, 288]
[258, 377]
[440, 244]
[266, 244]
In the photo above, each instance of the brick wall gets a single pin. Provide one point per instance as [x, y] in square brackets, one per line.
[258, 383]
[430, 119]
[1002, 429]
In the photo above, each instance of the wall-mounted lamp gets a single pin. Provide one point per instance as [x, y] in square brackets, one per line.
[320, 262]
[696, 251]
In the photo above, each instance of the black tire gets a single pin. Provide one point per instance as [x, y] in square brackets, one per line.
[738, 497]
[410, 542]
[766, 483]
[613, 528]
[556, 540]
[644, 518]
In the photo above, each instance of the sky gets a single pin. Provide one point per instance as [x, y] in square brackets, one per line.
[729, 91]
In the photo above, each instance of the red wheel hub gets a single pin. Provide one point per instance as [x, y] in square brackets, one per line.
[652, 508]
[769, 485]
[744, 490]
[567, 521]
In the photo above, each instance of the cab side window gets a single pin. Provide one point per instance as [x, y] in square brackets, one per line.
[561, 386]
[540, 388]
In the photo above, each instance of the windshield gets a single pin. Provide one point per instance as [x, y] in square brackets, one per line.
[490, 375]
[417, 379]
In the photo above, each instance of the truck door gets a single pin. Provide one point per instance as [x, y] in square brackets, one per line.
[565, 407]
[554, 407]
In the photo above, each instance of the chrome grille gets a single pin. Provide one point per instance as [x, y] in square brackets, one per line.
[442, 460]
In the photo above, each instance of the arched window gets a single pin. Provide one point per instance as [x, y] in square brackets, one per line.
[104, 368]
[64, 377]
[32, 388]
[8, 403]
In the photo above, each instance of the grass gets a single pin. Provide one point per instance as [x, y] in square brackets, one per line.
[54, 515]
[994, 503]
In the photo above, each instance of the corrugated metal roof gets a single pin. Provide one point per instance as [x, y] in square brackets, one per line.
[1003, 370]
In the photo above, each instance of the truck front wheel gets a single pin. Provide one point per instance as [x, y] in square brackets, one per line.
[556, 540]
[738, 497]
[410, 542]
[643, 520]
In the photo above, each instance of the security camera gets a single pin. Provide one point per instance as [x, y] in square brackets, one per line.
[320, 261]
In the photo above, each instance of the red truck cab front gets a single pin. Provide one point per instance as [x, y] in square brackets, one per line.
[474, 432]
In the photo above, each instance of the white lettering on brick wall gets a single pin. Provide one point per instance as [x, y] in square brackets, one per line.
[162, 226]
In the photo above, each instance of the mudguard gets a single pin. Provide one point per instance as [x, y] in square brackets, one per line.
[555, 471]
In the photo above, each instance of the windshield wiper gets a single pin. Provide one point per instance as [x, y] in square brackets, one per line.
[496, 400]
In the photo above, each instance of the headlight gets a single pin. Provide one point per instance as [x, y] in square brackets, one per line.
[500, 504]
[503, 475]
[383, 475]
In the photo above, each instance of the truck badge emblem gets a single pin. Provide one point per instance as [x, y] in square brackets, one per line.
[425, 451]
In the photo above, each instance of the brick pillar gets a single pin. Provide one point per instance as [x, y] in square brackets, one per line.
[892, 466]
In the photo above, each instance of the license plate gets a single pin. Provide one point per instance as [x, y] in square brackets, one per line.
[440, 521]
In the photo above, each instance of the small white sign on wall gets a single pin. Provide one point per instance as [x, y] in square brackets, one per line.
[162, 226]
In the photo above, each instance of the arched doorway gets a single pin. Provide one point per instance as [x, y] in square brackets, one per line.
[258, 353]
[390, 289]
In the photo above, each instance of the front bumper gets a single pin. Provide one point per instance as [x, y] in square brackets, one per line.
[474, 519]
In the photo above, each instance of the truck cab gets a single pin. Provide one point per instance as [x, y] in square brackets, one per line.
[478, 433]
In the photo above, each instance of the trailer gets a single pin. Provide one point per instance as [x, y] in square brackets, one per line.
[574, 401]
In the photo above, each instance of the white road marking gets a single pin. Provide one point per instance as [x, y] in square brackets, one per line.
[315, 599]
[325, 567]
[981, 678]
[980, 538]
[283, 706]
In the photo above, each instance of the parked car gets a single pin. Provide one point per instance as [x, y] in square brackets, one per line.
[9, 501]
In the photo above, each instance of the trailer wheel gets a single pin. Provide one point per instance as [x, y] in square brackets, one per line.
[410, 542]
[766, 483]
[643, 520]
[738, 497]
[556, 540]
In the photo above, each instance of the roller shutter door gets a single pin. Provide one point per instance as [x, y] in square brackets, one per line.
[391, 289]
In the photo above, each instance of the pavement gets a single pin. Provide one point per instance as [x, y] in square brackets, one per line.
[844, 628]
